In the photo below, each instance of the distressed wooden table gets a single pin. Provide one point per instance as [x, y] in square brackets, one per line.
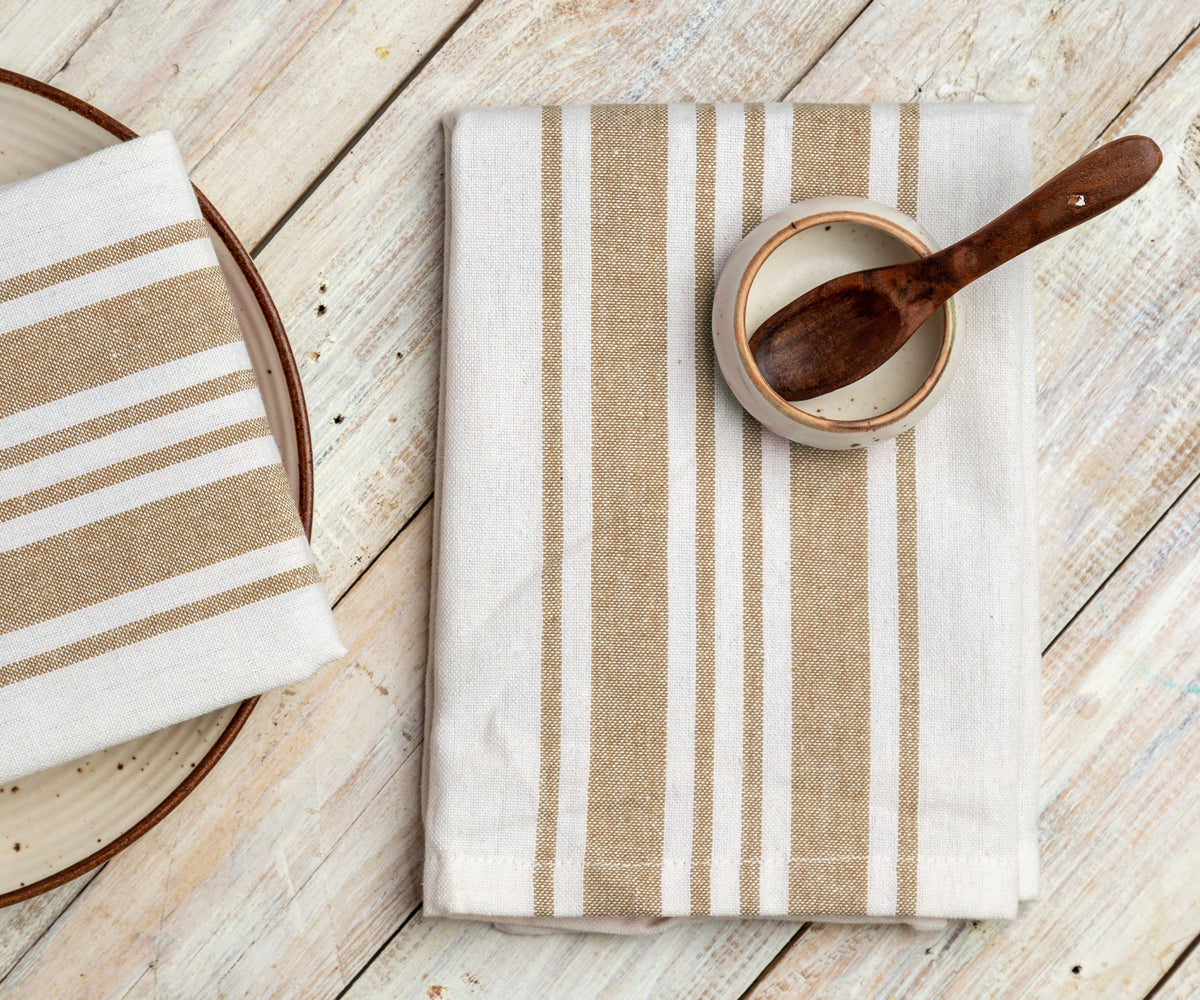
[294, 870]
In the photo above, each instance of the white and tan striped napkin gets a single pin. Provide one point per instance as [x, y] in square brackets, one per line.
[152, 564]
[680, 666]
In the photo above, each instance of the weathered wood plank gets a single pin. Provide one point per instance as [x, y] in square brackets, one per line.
[297, 856]
[451, 958]
[38, 46]
[23, 924]
[260, 95]
[1121, 849]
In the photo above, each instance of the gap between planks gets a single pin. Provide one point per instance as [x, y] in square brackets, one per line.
[353, 141]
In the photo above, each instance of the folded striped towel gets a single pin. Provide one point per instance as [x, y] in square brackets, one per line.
[680, 666]
[153, 564]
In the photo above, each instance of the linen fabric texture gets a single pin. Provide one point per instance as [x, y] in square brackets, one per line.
[154, 567]
[680, 666]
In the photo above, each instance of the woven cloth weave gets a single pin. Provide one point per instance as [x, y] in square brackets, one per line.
[680, 666]
[153, 566]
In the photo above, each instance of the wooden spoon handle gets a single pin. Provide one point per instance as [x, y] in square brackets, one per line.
[1091, 185]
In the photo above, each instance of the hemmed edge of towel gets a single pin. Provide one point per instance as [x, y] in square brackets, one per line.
[953, 888]
[178, 681]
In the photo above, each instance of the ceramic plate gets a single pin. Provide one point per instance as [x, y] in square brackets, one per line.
[57, 824]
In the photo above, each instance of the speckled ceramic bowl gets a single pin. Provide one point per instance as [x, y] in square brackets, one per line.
[794, 251]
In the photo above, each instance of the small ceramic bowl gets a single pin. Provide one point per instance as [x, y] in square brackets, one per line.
[794, 251]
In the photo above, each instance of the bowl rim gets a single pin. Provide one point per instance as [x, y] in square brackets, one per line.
[881, 421]
[304, 460]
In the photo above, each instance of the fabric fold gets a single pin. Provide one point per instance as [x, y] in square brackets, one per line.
[154, 565]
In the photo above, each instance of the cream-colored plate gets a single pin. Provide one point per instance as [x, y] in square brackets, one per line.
[56, 824]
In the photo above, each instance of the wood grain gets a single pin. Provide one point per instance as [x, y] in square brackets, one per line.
[453, 958]
[261, 96]
[36, 46]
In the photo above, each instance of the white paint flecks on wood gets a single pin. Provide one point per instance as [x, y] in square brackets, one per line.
[37, 45]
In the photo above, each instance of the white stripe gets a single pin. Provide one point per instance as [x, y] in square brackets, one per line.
[777, 577]
[166, 679]
[971, 522]
[575, 731]
[123, 392]
[883, 586]
[728, 688]
[883, 600]
[88, 289]
[884, 176]
[130, 442]
[490, 531]
[154, 599]
[681, 509]
[121, 497]
[777, 674]
[120, 192]
[777, 158]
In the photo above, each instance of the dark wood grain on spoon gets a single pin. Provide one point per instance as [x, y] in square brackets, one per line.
[848, 327]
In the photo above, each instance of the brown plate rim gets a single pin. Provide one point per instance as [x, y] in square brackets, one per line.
[305, 460]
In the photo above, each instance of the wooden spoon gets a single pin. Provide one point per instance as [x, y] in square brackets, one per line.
[847, 327]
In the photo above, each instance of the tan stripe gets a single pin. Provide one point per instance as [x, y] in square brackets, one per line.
[706, 472]
[166, 621]
[552, 514]
[97, 260]
[910, 673]
[139, 465]
[107, 340]
[906, 180]
[831, 670]
[146, 545]
[752, 565]
[130, 416]
[831, 150]
[627, 781]
[906, 529]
